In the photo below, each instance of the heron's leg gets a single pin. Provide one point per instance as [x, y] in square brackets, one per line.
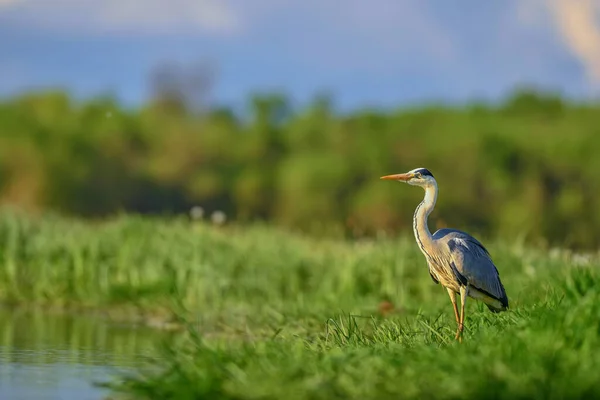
[464, 292]
[452, 295]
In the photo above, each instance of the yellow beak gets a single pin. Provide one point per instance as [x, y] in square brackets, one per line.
[398, 177]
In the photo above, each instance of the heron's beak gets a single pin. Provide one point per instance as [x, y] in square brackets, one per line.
[398, 177]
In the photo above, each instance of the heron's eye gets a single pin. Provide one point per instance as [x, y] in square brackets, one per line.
[418, 175]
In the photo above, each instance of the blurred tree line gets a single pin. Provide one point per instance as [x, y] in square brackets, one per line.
[529, 167]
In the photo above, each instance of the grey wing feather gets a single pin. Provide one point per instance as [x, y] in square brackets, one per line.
[473, 263]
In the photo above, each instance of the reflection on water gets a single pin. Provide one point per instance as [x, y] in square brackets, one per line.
[48, 356]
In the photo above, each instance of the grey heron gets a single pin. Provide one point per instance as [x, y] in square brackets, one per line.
[456, 260]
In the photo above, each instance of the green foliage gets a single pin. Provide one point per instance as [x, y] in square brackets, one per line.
[526, 168]
[270, 314]
[307, 327]
[530, 354]
[157, 264]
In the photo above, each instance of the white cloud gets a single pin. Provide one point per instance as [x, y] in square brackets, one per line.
[385, 24]
[575, 23]
[497, 42]
[125, 16]
[6, 3]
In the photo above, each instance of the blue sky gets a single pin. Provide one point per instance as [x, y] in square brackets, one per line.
[377, 53]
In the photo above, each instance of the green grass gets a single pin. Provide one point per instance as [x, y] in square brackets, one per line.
[270, 315]
[546, 349]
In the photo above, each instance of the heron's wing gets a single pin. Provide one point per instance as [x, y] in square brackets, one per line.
[472, 264]
[433, 277]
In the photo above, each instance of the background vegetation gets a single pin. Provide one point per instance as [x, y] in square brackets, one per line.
[528, 167]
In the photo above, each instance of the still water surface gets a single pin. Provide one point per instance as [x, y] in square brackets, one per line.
[56, 357]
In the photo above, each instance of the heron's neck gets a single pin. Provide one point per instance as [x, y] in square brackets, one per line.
[420, 228]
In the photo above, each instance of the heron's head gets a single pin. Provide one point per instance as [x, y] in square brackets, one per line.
[417, 177]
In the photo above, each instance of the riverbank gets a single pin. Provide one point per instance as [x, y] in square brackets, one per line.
[264, 313]
[155, 271]
[321, 335]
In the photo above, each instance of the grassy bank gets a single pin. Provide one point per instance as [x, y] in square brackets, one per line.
[271, 315]
[325, 339]
[541, 351]
[226, 274]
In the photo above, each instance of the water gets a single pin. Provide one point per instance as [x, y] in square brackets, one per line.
[45, 356]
